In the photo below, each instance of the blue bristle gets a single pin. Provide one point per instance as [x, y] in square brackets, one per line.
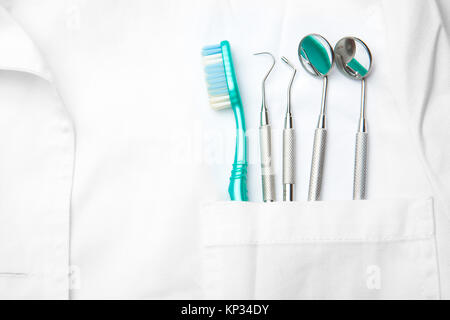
[217, 86]
[214, 76]
[216, 80]
[213, 68]
[215, 73]
[213, 46]
[218, 92]
[210, 50]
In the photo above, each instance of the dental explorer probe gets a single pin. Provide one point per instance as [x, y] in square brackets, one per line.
[289, 144]
[265, 142]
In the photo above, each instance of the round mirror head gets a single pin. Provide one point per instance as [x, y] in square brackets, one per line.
[316, 55]
[353, 57]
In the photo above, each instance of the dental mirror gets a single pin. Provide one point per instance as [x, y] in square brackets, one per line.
[316, 55]
[354, 60]
[317, 58]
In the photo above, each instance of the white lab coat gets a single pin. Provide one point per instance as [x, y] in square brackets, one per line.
[114, 170]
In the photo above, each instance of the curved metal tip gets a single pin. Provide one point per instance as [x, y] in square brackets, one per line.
[294, 71]
[264, 52]
[271, 67]
[285, 60]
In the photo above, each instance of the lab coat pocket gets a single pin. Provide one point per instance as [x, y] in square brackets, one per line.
[373, 249]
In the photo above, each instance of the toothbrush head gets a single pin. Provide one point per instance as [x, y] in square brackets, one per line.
[220, 77]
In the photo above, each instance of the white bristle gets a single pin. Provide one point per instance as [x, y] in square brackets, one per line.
[212, 59]
[220, 106]
[217, 99]
[219, 102]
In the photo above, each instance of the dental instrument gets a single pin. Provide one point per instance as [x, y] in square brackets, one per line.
[265, 142]
[353, 59]
[223, 93]
[317, 58]
[289, 143]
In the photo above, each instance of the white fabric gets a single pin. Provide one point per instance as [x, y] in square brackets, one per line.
[327, 249]
[111, 159]
[36, 170]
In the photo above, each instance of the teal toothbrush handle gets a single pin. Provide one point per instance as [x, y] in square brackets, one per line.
[238, 180]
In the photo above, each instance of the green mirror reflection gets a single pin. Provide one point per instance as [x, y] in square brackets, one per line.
[316, 55]
[353, 58]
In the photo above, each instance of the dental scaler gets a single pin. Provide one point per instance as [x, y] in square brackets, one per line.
[265, 142]
[289, 143]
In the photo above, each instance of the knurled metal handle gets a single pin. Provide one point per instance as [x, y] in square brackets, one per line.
[318, 157]
[267, 172]
[360, 172]
[288, 156]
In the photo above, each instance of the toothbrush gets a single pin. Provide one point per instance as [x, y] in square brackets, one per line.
[265, 141]
[223, 93]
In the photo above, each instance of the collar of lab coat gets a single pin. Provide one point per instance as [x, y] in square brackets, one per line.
[17, 50]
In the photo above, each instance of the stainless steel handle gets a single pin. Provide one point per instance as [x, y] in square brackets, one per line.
[360, 172]
[288, 164]
[318, 157]
[267, 172]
